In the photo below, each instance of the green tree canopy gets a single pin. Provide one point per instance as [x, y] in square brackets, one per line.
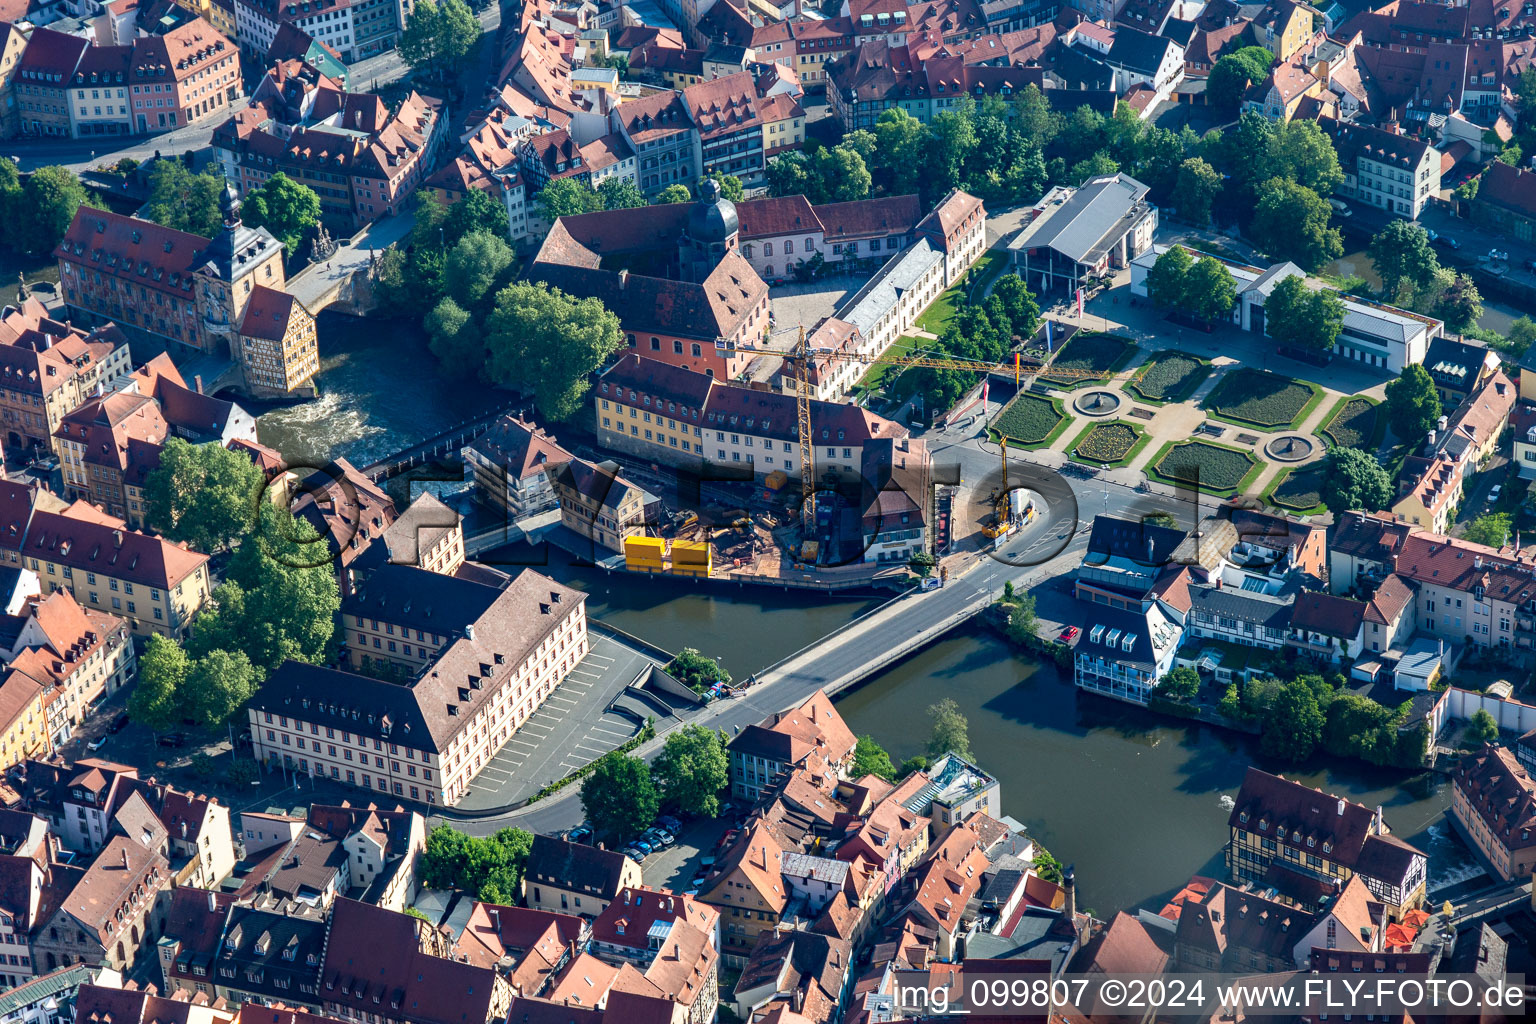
[673, 194]
[454, 339]
[440, 37]
[1296, 315]
[476, 211]
[1209, 290]
[566, 197]
[542, 340]
[870, 758]
[1299, 151]
[1168, 277]
[475, 265]
[156, 700]
[1483, 728]
[1413, 404]
[1354, 479]
[1401, 254]
[619, 796]
[901, 150]
[204, 494]
[951, 731]
[287, 208]
[1294, 725]
[1291, 221]
[217, 687]
[620, 194]
[1460, 305]
[730, 185]
[490, 869]
[1018, 305]
[43, 211]
[1233, 73]
[690, 667]
[1491, 529]
[1520, 335]
[1182, 683]
[691, 770]
[185, 201]
[1195, 191]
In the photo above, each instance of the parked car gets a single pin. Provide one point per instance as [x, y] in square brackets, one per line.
[1431, 233]
[1069, 634]
[1449, 242]
[643, 845]
[579, 834]
[119, 722]
[660, 836]
[172, 739]
[96, 744]
[671, 824]
[1494, 492]
[634, 853]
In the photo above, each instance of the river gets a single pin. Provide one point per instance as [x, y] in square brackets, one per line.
[380, 391]
[1134, 801]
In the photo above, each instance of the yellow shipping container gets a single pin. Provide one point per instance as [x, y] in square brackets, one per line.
[644, 553]
[692, 558]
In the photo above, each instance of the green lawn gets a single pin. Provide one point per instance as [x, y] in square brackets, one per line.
[1093, 351]
[936, 317]
[1262, 399]
[1108, 444]
[1031, 421]
[1170, 376]
[1214, 467]
[1355, 423]
[1298, 490]
[879, 375]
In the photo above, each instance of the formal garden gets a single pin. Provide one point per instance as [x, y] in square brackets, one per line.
[1262, 399]
[1299, 490]
[1031, 421]
[1170, 376]
[1108, 444]
[1092, 356]
[1355, 423]
[1210, 466]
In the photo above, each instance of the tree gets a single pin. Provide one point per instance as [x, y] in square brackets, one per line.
[1167, 277]
[730, 185]
[951, 732]
[1511, 154]
[619, 797]
[691, 770]
[279, 597]
[1195, 190]
[915, 763]
[1401, 252]
[452, 337]
[1467, 190]
[542, 340]
[477, 211]
[1291, 221]
[694, 670]
[1298, 316]
[490, 869]
[1232, 74]
[1491, 529]
[217, 686]
[870, 758]
[1096, 166]
[901, 143]
[1300, 152]
[1294, 726]
[185, 201]
[474, 265]
[44, 209]
[566, 197]
[1460, 305]
[1354, 479]
[790, 174]
[953, 140]
[439, 37]
[1520, 335]
[1023, 625]
[1018, 305]
[1483, 728]
[10, 195]
[1209, 290]
[1182, 683]
[285, 207]
[204, 494]
[673, 194]
[620, 194]
[843, 173]
[1413, 405]
[156, 701]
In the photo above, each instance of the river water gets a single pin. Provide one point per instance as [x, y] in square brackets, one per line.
[1134, 801]
[1496, 316]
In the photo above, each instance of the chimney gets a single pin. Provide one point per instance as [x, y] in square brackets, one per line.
[125, 858]
[1381, 822]
[469, 631]
[197, 383]
[1069, 890]
[117, 538]
[1341, 807]
[623, 279]
[213, 902]
[183, 830]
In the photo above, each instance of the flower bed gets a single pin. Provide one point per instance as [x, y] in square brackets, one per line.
[1029, 419]
[1213, 467]
[1171, 376]
[1266, 400]
[1354, 425]
[1107, 442]
[1093, 351]
[1301, 490]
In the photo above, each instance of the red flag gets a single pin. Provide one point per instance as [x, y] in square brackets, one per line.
[1079, 303]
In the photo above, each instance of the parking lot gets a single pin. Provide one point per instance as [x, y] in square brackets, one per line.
[676, 867]
[572, 728]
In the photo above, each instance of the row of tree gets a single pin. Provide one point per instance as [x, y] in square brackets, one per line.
[981, 332]
[1203, 288]
[1411, 276]
[567, 197]
[622, 795]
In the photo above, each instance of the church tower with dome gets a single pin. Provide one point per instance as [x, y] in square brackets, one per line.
[711, 232]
